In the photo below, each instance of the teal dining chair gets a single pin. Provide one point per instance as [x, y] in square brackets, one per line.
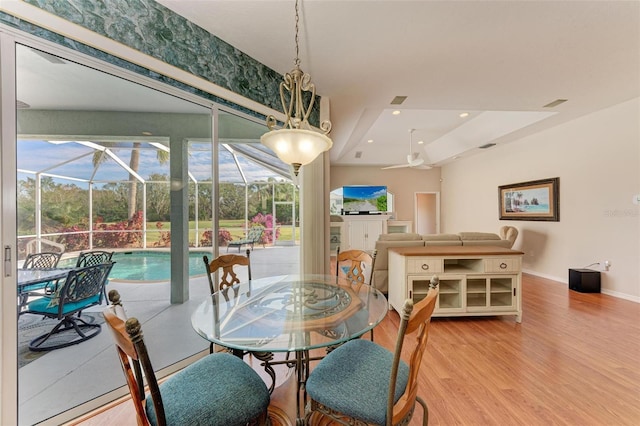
[361, 382]
[81, 289]
[218, 389]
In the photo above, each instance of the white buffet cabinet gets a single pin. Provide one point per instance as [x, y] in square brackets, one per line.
[362, 231]
[474, 280]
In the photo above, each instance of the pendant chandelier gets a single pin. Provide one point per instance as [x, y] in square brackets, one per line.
[297, 143]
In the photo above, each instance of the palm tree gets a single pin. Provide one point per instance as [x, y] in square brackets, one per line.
[134, 164]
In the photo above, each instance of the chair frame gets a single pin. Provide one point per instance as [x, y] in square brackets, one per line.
[95, 257]
[254, 235]
[136, 364]
[227, 263]
[80, 284]
[357, 258]
[45, 259]
[228, 278]
[412, 319]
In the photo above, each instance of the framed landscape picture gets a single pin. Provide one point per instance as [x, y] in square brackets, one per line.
[534, 200]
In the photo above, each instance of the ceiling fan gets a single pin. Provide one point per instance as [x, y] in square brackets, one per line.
[413, 159]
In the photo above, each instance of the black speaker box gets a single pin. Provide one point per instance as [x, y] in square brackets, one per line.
[584, 280]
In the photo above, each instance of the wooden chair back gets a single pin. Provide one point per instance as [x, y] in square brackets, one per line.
[41, 260]
[355, 260]
[226, 262]
[413, 318]
[134, 359]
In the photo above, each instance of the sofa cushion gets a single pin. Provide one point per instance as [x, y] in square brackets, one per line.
[441, 237]
[478, 236]
[400, 236]
[495, 243]
[382, 251]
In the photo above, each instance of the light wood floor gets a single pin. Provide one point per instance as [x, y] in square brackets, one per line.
[574, 360]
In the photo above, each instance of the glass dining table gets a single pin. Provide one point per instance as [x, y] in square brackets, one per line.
[289, 313]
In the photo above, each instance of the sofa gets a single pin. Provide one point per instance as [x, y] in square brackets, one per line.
[506, 238]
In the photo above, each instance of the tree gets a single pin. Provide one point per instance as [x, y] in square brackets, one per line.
[134, 164]
[158, 198]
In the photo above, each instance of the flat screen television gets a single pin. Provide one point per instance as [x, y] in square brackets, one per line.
[364, 199]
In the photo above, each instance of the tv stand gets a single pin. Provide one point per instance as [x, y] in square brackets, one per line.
[474, 280]
[361, 231]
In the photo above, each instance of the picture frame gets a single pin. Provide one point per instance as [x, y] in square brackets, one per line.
[533, 200]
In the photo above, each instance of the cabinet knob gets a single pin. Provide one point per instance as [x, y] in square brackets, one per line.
[425, 267]
[503, 265]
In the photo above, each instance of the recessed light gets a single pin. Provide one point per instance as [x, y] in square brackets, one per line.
[396, 112]
[464, 114]
[420, 142]
[370, 141]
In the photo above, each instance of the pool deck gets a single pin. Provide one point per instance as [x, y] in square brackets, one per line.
[62, 379]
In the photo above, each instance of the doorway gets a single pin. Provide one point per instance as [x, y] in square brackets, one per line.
[427, 212]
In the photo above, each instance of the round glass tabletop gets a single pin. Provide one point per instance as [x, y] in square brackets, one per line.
[289, 313]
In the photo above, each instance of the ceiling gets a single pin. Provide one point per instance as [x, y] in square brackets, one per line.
[501, 61]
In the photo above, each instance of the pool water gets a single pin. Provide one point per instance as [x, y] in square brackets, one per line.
[147, 265]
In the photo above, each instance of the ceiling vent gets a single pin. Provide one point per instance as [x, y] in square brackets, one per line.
[487, 145]
[555, 103]
[358, 154]
[398, 100]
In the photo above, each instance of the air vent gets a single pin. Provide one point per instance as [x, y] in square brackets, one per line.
[358, 154]
[398, 100]
[555, 103]
[487, 145]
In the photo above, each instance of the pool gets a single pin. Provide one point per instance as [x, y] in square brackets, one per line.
[147, 265]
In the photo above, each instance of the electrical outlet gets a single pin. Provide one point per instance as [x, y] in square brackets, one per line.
[607, 265]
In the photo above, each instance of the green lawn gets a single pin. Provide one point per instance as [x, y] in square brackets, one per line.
[233, 226]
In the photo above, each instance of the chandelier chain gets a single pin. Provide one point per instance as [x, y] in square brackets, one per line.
[297, 60]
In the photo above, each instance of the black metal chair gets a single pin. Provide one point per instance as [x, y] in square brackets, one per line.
[95, 257]
[42, 260]
[81, 289]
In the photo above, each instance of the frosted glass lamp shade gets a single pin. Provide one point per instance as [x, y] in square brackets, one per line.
[296, 146]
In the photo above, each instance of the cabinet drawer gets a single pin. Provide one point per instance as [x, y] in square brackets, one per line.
[416, 265]
[502, 265]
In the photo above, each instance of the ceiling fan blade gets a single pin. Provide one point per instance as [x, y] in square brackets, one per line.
[416, 162]
[399, 166]
[423, 167]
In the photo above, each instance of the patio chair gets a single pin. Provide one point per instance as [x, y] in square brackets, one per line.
[52, 246]
[254, 235]
[352, 264]
[229, 277]
[37, 261]
[95, 257]
[81, 289]
[218, 389]
[363, 383]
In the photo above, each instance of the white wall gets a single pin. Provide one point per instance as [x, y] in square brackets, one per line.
[597, 158]
[402, 183]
